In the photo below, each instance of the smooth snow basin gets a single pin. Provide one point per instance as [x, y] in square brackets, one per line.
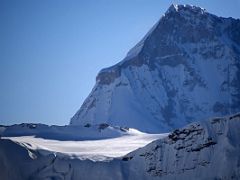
[96, 150]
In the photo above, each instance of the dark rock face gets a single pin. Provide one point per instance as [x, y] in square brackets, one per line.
[187, 66]
[108, 77]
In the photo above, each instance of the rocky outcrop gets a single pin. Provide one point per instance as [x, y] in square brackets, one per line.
[202, 150]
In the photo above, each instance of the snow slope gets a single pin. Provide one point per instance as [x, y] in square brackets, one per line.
[186, 67]
[202, 150]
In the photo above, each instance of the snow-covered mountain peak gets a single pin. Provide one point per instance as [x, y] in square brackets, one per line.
[180, 24]
[186, 66]
[185, 8]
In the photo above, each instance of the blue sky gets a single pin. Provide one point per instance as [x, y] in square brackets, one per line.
[52, 50]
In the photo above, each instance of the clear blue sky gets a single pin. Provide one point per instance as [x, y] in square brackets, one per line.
[52, 50]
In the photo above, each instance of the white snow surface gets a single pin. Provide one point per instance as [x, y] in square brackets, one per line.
[95, 150]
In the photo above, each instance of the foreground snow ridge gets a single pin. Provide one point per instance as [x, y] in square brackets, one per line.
[202, 150]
